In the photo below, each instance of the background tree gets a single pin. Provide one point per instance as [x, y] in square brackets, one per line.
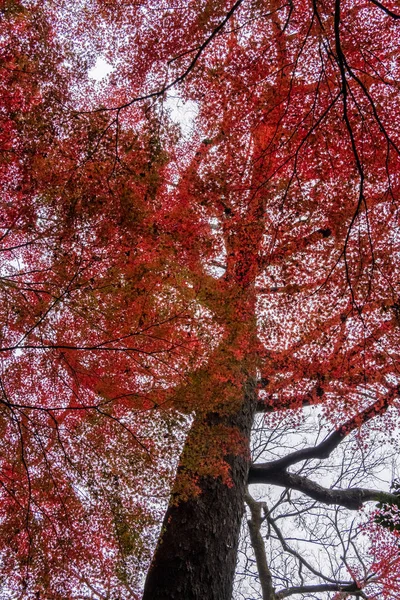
[158, 290]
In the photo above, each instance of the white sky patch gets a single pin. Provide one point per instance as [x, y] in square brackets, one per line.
[100, 70]
[217, 267]
[182, 113]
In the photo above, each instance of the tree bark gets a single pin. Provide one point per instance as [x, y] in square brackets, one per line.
[196, 554]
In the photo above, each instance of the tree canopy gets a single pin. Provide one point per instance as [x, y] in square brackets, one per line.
[162, 281]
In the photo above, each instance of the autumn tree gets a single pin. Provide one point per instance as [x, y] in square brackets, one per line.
[160, 288]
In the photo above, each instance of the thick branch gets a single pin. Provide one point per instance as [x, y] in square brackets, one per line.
[323, 587]
[325, 448]
[257, 542]
[353, 498]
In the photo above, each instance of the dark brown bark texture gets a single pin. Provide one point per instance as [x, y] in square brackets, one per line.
[196, 555]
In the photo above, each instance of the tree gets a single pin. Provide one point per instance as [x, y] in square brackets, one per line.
[158, 290]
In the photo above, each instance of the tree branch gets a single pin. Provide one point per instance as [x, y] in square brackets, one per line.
[161, 91]
[353, 498]
[298, 556]
[352, 589]
[257, 542]
[325, 448]
[385, 9]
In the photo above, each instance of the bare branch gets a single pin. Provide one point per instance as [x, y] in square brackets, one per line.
[352, 589]
[353, 498]
[257, 542]
[325, 448]
[298, 556]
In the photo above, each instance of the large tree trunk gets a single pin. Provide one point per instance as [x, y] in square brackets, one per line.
[196, 554]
